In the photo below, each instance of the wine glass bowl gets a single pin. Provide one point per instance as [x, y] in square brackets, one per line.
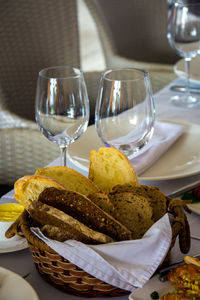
[184, 37]
[62, 106]
[125, 112]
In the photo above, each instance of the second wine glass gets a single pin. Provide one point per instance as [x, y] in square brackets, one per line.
[62, 106]
[125, 111]
[184, 37]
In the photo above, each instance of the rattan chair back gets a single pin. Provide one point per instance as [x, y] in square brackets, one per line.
[34, 35]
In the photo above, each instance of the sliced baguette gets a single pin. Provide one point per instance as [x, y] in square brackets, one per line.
[70, 179]
[84, 210]
[28, 188]
[48, 215]
[109, 167]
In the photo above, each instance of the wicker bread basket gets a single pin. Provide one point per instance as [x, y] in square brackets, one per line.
[66, 276]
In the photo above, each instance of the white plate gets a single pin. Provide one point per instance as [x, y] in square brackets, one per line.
[181, 160]
[14, 287]
[15, 243]
[195, 207]
[154, 284]
[194, 69]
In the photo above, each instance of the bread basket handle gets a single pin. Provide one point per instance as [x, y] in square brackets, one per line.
[21, 227]
[14, 229]
[180, 226]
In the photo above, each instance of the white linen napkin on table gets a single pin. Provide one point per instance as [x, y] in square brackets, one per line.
[126, 264]
[165, 135]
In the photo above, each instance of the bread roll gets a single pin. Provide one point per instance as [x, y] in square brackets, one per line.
[109, 167]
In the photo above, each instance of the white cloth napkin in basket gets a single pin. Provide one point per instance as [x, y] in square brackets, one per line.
[126, 264]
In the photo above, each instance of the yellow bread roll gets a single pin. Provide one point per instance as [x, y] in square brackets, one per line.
[109, 167]
[70, 179]
[28, 188]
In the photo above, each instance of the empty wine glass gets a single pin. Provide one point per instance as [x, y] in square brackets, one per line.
[125, 112]
[62, 106]
[184, 36]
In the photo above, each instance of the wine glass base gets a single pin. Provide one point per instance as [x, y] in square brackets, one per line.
[131, 151]
[183, 101]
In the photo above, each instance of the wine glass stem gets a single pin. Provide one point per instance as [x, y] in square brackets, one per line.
[63, 151]
[187, 72]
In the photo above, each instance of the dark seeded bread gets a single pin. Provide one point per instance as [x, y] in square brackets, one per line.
[156, 198]
[59, 234]
[103, 201]
[135, 212]
[84, 210]
[48, 215]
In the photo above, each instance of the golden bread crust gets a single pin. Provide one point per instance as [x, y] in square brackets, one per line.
[29, 187]
[109, 167]
[70, 179]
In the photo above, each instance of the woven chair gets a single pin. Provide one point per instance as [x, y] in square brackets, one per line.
[34, 35]
[138, 30]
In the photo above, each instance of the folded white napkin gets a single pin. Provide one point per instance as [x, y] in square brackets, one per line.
[126, 264]
[165, 134]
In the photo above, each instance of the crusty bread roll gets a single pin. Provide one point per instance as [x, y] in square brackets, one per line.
[28, 188]
[70, 179]
[109, 167]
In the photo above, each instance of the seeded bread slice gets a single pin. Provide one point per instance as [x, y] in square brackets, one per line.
[103, 201]
[60, 234]
[156, 198]
[48, 215]
[84, 210]
[135, 212]
[70, 179]
[109, 167]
